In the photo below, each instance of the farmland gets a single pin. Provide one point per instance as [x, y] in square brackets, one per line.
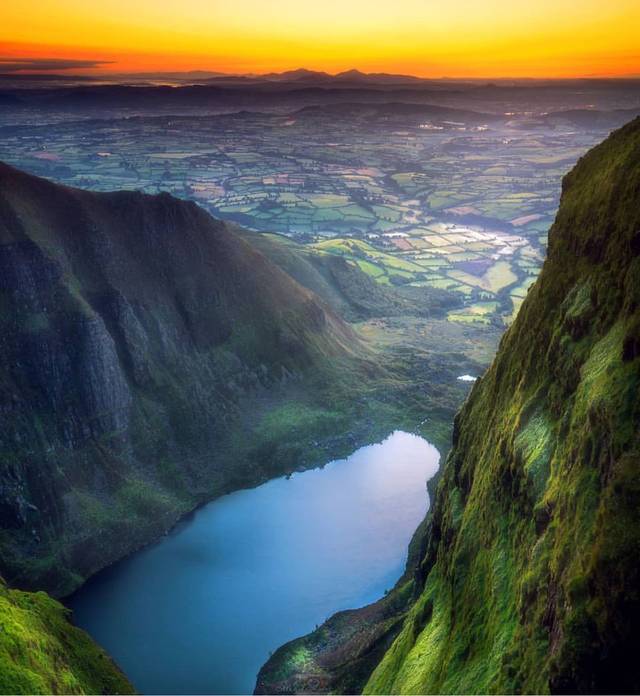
[462, 206]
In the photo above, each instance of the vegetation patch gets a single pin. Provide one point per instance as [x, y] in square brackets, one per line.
[41, 652]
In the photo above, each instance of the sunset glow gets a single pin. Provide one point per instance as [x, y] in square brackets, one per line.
[463, 38]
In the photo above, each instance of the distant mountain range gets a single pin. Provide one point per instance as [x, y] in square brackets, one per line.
[299, 76]
[289, 91]
[302, 75]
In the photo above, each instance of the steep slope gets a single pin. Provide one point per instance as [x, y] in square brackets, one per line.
[150, 358]
[345, 287]
[527, 579]
[41, 652]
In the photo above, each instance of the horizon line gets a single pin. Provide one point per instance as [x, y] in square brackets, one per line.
[212, 73]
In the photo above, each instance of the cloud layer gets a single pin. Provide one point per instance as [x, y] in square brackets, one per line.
[17, 65]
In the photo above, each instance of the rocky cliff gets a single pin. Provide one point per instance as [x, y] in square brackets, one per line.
[150, 358]
[527, 577]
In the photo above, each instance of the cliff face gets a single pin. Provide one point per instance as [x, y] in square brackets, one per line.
[527, 579]
[530, 576]
[148, 357]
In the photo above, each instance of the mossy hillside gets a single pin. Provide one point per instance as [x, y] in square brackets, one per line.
[42, 653]
[525, 576]
[531, 564]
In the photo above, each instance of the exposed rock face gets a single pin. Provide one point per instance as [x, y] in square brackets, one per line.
[527, 579]
[138, 337]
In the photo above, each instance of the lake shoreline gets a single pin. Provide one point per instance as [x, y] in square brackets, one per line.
[336, 447]
[106, 589]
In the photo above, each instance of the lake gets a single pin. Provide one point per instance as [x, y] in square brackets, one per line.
[200, 610]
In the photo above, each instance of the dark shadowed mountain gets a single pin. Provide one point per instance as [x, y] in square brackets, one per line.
[140, 337]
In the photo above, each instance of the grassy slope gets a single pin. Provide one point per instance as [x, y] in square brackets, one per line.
[41, 652]
[338, 281]
[526, 579]
[530, 576]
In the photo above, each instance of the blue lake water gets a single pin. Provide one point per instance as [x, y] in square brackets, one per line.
[200, 611]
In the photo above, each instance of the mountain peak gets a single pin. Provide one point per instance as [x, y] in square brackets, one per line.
[354, 72]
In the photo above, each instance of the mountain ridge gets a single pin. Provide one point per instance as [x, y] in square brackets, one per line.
[136, 332]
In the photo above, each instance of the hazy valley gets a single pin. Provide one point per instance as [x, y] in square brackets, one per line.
[216, 285]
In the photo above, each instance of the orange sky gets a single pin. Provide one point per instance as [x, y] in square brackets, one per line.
[456, 38]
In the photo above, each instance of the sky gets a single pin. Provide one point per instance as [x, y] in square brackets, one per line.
[452, 38]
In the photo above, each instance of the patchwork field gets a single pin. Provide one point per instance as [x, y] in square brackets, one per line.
[412, 200]
[491, 270]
